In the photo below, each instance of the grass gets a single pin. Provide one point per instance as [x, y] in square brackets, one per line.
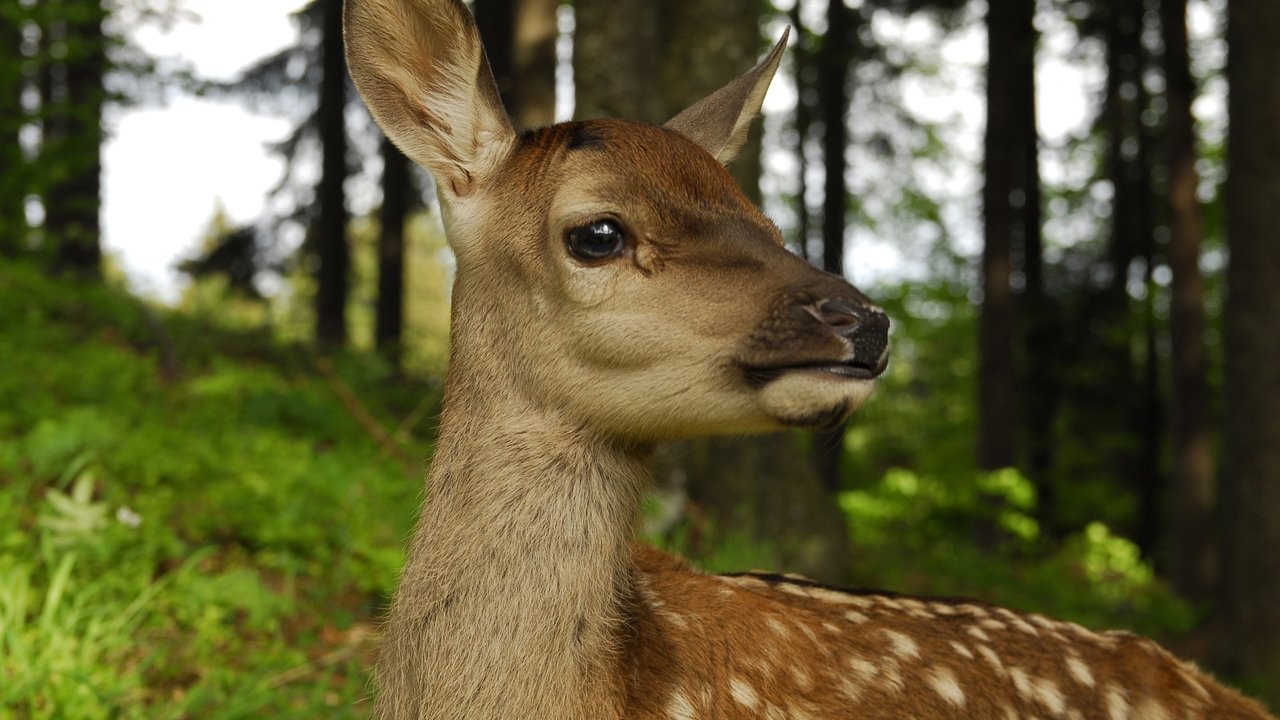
[192, 524]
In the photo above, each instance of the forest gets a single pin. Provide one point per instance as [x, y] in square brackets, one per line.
[204, 499]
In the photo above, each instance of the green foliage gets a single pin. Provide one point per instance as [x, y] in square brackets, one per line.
[208, 541]
[925, 520]
[919, 533]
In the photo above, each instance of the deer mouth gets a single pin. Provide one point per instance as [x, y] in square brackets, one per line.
[758, 376]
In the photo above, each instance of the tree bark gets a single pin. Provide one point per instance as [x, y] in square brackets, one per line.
[834, 92]
[1194, 562]
[1250, 590]
[802, 123]
[330, 232]
[13, 179]
[535, 63]
[389, 320]
[73, 149]
[1003, 198]
[496, 21]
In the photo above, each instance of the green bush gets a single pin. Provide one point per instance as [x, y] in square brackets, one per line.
[211, 541]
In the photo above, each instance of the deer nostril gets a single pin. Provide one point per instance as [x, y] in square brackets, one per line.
[866, 328]
[840, 313]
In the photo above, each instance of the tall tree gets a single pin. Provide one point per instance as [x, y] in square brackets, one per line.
[13, 223]
[1250, 591]
[802, 122]
[534, 56]
[1131, 241]
[1007, 220]
[389, 314]
[330, 232]
[834, 61]
[520, 41]
[1194, 555]
[72, 102]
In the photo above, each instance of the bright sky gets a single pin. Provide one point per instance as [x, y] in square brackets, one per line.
[165, 169]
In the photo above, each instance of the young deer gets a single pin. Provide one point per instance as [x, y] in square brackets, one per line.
[614, 290]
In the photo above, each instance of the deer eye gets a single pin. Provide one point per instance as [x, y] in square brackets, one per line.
[597, 241]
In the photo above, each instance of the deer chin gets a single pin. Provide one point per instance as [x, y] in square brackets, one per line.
[814, 397]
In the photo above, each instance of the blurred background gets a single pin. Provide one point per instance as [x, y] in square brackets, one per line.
[224, 324]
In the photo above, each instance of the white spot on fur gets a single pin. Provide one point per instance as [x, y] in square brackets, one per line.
[854, 616]
[902, 646]
[1151, 709]
[1023, 626]
[942, 608]
[743, 693]
[943, 682]
[863, 669]
[674, 618]
[993, 624]
[1048, 695]
[850, 689]
[961, 649]
[680, 708]
[979, 633]
[801, 676]
[839, 597]
[973, 610]
[794, 589]
[809, 633]
[776, 625]
[1043, 622]
[830, 627]
[1080, 672]
[1022, 682]
[991, 657]
[1117, 704]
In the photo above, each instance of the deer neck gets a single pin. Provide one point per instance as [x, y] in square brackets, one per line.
[514, 594]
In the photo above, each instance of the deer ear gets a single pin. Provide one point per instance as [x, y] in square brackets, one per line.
[719, 122]
[421, 69]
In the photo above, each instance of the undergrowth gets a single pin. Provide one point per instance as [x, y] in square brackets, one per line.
[191, 522]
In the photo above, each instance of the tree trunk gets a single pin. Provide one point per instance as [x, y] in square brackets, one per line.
[535, 63]
[73, 151]
[520, 41]
[330, 232]
[1250, 591]
[1131, 414]
[802, 123]
[1194, 562]
[496, 21]
[14, 178]
[389, 320]
[1002, 223]
[833, 92]
[647, 60]
[1038, 335]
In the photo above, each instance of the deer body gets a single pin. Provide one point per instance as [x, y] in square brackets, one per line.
[614, 290]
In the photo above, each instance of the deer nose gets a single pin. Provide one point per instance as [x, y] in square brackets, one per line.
[865, 327]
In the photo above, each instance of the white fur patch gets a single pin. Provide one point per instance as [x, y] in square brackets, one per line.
[943, 682]
[743, 693]
[680, 708]
[1080, 672]
[901, 645]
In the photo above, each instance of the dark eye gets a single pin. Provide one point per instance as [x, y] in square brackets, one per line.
[597, 241]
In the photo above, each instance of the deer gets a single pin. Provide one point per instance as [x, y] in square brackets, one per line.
[614, 290]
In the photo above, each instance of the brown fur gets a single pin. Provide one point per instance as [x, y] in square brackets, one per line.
[523, 596]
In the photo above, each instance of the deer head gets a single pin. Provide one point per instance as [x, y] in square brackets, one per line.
[608, 268]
